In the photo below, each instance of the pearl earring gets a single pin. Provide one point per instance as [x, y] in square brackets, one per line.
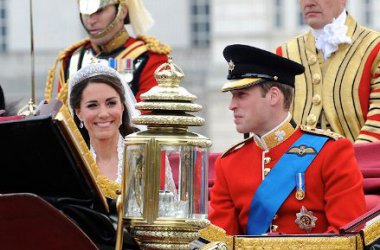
[81, 124]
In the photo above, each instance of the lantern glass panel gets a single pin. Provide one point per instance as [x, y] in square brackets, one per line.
[183, 182]
[136, 168]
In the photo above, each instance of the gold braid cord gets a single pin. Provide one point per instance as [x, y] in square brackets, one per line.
[154, 45]
[51, 74]
[50, 82]
[109, 188]
[316, 131]
[62, 95]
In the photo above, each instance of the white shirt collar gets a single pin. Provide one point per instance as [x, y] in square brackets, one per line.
[332, 35]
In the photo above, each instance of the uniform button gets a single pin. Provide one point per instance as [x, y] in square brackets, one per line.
[311, 119]
[275, 217]
[266, 171]
[267, 160]
[316, 99]
[316, 78]
[312, 59]
[273, 228]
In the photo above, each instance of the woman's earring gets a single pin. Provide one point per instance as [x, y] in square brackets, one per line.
[81, 124]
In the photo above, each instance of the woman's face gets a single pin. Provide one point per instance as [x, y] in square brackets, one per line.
[100, 111]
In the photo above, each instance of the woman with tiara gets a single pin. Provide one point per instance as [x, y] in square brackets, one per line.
[102, 105]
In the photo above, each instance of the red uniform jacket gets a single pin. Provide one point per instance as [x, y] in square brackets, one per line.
[147, 53]
[333, 184]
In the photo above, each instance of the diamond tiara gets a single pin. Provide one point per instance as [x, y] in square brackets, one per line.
[93, 69]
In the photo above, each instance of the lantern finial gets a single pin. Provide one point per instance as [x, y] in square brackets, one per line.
[167, 104]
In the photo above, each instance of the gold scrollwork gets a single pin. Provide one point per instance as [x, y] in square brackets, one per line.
[190, 107]
[296, 243]
[214, 233]
[168, 120]
[372, 232]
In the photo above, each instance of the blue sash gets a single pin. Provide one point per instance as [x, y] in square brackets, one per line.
[277, 186]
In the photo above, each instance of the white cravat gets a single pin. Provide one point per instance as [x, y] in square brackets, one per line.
[331, 35]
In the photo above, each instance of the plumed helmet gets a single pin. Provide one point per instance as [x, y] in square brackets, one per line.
[138, 16]
[88, 7]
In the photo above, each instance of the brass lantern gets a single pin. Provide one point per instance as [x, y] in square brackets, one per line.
[165, 180]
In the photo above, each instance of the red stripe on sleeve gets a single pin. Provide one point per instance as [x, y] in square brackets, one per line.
[365, 81]
[377, 136]
[279, 51]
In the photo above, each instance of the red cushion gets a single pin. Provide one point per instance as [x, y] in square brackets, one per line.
[372, 201]
[368, 157]
[211, 168]
[11, 118]
[174, 162]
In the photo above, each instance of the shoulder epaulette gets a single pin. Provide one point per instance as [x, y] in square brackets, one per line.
[51, 73]
[72, 48]
[236, 146]
[316, 131]
[154, 45]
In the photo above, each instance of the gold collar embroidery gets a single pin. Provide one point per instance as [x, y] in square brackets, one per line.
[277, 135]
[117, 41]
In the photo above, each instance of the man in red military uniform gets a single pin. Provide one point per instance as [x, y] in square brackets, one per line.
[109, 42]
[285, 178]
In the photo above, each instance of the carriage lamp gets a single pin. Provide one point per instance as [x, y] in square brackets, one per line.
[165, 179]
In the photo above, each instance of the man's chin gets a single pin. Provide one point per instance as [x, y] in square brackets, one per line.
[97, 41]
[241, 130]
[315, 23]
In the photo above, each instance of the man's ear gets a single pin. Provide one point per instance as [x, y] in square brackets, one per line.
[124, 12]
[275, 95]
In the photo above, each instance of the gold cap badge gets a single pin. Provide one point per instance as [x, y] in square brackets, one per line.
[231, 65]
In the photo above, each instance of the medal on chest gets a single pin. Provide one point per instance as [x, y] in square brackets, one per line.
[305, 220]
[300, 186]
[124, 66]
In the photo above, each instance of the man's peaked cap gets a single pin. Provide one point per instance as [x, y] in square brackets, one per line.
[248, 66]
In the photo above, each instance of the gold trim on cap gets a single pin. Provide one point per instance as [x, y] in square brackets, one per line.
[240, 84]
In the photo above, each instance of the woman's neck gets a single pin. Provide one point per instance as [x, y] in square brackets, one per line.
[107, 156]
